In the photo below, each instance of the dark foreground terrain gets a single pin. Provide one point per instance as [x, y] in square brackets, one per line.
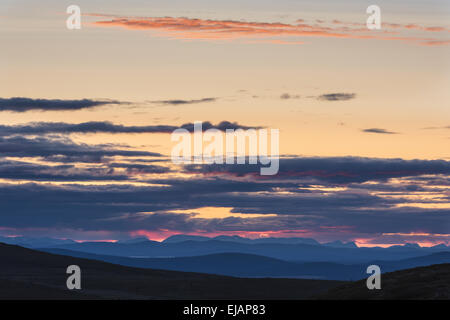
[431, 283]
[30, 274]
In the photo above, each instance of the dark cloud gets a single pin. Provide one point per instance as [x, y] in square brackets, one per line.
[434, 128]
[20, 104]
[337, 96]
[139, 168]
[38, 128]
[91, 158]
[222, 126]
[294, 196]
[334, 170]
[286, 96]
[18, 170]
[121, 208]
[378, 130]
[49, 147]
[181, 102]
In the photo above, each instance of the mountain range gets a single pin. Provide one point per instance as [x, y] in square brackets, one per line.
[242, 257]
[291, 249]
[249, 265]
[31, 274]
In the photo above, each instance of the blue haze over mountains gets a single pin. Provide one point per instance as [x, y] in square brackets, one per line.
[243, 257]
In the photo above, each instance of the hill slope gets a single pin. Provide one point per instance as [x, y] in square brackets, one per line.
[30, 274]
[432, 282]
[249, 265]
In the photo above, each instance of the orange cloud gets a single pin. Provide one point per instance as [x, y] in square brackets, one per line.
[434, 43]
[208, 29]
[218, 29]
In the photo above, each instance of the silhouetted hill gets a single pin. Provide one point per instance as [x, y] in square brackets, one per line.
[234, 264]
[434, 258]
[30, 274]
[340, 244]
[25, 290]
[248, 265]
[293, 240]
[35, 242]
[432, 282]
[285, 251]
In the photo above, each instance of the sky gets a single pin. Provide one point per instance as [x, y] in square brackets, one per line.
[363, 115]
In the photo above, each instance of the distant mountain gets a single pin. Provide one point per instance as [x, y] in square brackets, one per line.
[134, 240]
[298, 252]
[30, 274]
[29, 242]
[340, 244]
[440, 246]
[182, 238]
[233, 264]
[248, 265]
[268, 240]
[431, 282]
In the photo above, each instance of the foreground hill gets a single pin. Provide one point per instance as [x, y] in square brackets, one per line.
[30, 274]
[432, 282]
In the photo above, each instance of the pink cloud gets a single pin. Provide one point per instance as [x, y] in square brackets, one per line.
[209, 29]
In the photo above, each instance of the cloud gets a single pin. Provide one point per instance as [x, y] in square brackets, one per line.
[187, 28]
[20, 104]
[312, 194]
[434, 128]
[176, 102]
[19, 170]
[222, 126]
[286, 96]
[378, 130]
[213, 29]
[39, 128]
[125, 208]
[334, 169]
[435, 43]
[57, 147]
[337, 96]
[132, 168]
[414, 26]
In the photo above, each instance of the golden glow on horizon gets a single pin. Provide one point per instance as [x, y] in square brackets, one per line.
[218, 213]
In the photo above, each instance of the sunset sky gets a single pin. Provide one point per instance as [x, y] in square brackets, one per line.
[364, 119]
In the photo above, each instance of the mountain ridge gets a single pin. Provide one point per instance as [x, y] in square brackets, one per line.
[292, 252]
[248, 265]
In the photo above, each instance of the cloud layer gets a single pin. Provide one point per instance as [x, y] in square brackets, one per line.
[378, 130]
[276, 32]
[176, 102]
[20, 104]
[39, 128]
[337, 96]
